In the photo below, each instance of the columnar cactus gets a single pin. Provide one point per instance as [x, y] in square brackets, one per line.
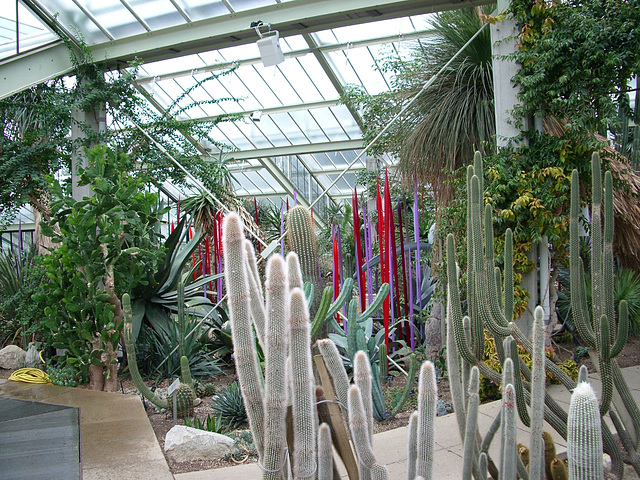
[584, 443]
[508, 469]
[301, 238]
[427, 400]
[596, 326]
[288, 380]
[304, 413]
[325, 453]
[127, 331]
[469, 451]
[536, 444]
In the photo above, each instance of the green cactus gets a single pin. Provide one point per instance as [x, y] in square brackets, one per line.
[536, 442]
[185, 396]
[584, 442]
[127, 332]
[558, 470]
[596, 326]
[209, 389]
[185, 371]
[301, 238]
[469, 449]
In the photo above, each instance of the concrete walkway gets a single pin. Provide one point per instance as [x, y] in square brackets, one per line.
[117, 440]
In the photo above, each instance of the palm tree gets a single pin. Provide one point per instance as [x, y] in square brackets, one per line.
[449, 120]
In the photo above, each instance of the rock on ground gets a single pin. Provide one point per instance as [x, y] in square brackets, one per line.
[185, 444]
[12, 357]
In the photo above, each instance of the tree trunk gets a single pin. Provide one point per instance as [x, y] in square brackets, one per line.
[96, 372]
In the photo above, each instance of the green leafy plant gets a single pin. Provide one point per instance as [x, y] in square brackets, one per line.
[65, 375]
[209, 424]
[158, 341]
[107, 245]
[229, 405]
[20, 277]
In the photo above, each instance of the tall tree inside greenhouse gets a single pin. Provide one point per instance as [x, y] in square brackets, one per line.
[452, 118]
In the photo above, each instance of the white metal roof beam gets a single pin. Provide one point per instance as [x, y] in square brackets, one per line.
[296, 149]
[334, 47]
[289, 18]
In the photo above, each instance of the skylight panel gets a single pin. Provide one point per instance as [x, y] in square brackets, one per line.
[330, 126]
[272, 132]
[289, 128]
[309, 126]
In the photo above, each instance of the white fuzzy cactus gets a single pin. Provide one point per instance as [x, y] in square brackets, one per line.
[584, 441]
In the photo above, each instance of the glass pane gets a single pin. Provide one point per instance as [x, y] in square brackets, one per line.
[329, 124]
[289, 128]
[309, 126]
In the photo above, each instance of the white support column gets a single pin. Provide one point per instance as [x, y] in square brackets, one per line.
[96, 120]
[505, 92]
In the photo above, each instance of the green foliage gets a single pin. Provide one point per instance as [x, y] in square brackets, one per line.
[35, 123]
[158, 340]
[459, 102]
[106, 242]
[154, 301]
[20, 277]
[209, 424]
[66, 376]
[577, 57]
[626, 287]
[229, 405]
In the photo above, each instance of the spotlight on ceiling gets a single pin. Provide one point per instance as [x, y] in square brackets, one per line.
[255, 116]
[268, 45]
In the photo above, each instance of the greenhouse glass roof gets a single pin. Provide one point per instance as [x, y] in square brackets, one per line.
[295, 135]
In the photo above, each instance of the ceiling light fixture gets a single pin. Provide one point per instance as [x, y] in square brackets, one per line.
[268, 45]
[255, 116]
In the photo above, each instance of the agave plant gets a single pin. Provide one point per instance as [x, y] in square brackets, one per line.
[156, 301]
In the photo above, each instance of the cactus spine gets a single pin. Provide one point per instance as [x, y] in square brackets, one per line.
[247, 365]
[275, 391]
[584, 443]
[509, 452]
[325, 453]
[412, 446]
[304, 415]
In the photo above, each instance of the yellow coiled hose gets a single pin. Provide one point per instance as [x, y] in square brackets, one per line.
[30, 375]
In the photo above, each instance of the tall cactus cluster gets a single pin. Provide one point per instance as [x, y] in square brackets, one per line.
[490, 308]
[280, 319]
[284, 397]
